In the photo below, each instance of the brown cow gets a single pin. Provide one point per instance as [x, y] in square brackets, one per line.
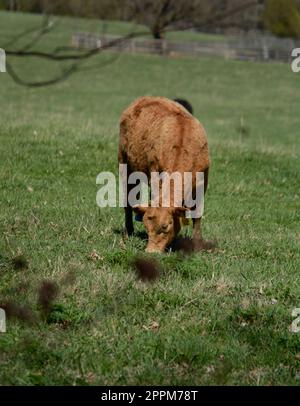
[157, 135]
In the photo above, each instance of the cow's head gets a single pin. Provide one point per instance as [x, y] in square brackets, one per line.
[162, 225]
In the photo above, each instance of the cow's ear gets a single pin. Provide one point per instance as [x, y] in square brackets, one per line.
[180, 211]
[138, 209]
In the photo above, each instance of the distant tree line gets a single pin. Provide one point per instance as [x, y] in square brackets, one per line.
[281, 17]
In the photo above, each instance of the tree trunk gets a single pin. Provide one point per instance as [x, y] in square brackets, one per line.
[157, 32]
[12, 5]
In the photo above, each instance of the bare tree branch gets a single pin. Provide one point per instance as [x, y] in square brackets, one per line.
[160, 15]
[62, 77]
[54, 56]
[44, 28]
[231, 12]
[77, 56]
[166, 12]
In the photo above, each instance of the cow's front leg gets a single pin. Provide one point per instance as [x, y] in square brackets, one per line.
[124, 174]
[128, 221]
[197, 234]
[198, 242]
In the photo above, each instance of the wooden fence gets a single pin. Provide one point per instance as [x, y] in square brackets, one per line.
[260, 48]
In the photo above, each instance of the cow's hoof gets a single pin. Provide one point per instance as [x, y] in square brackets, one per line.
[202, 245]
[127, 234]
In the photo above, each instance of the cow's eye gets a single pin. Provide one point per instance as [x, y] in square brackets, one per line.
[150, 217]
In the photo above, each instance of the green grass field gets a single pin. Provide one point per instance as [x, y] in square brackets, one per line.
[219, 318]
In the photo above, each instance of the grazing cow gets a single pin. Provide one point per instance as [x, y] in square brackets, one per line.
[159, 135]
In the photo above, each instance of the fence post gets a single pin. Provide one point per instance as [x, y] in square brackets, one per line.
[259, 48]
[2, 321]
[132, 46]
[265, 49]
[2, 61]
[164, 47]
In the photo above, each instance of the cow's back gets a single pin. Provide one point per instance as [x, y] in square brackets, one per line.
[158, 134]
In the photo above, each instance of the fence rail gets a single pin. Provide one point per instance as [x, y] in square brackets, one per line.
[260, 48]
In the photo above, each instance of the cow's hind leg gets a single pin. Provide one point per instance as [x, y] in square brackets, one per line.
[197, 234]
[198, 242]
[125, 172]
[129, 229]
